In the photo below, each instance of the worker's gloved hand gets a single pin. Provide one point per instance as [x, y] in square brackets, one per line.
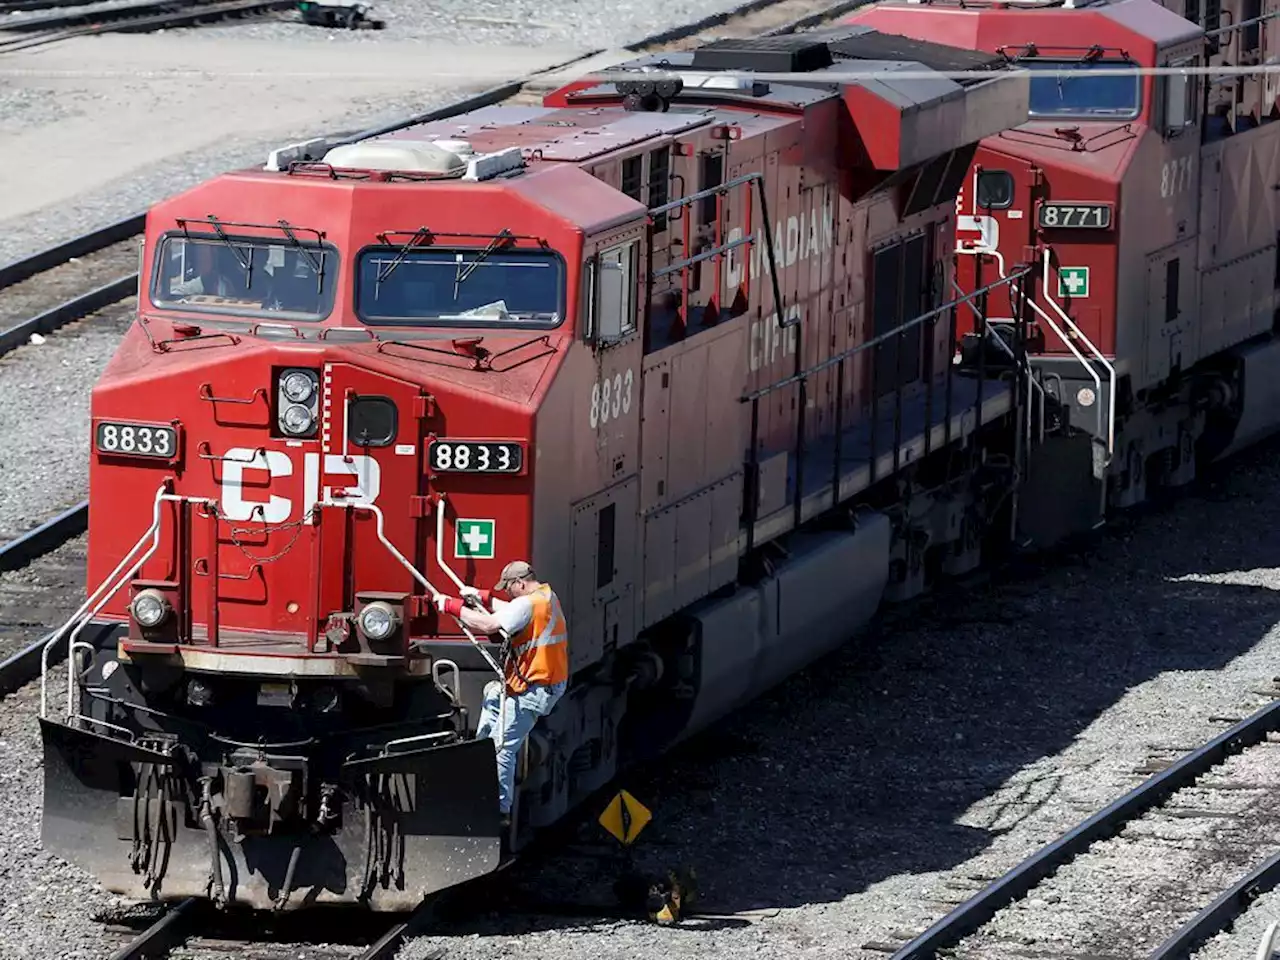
[449, 605]
[473, 593]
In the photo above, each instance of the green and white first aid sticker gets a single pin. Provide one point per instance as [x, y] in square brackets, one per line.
[1073, 282]
[474, 539]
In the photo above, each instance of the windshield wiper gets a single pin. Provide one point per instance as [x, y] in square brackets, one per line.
[317, 263]
[460, 275]
[421, 234]
[245, 262]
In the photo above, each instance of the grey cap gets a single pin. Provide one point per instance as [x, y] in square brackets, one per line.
[515, 570]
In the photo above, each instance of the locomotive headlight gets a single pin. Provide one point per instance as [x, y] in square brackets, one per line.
[296, 419]
[297, 387]
[150, 608]
[377, 621]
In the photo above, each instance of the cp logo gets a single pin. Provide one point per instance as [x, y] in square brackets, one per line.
[362, 487]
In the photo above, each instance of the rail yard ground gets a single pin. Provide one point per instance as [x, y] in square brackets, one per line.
[863, 798]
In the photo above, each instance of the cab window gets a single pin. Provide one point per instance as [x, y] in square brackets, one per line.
[460, 287]
[245, 277]
[1178, 95]
[1069, 89]
[995, 189]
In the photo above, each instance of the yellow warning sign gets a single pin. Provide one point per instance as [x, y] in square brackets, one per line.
[625, 817]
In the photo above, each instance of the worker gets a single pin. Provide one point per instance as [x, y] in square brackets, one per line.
[537, 668]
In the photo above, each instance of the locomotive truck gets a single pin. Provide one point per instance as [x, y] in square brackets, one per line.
[686, 338]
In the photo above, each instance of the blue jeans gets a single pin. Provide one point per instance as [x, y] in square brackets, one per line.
[521, 714]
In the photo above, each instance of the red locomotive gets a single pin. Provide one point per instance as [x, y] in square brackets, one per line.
[685, 340]
[1148, 204]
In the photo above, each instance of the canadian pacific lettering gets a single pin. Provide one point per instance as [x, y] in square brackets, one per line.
[795, 241]
[771, 340]
[364, 472]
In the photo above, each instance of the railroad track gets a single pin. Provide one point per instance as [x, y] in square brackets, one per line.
[141, 17]
[192, 927]
[68, 282]
[28, 6]
[1208, 813]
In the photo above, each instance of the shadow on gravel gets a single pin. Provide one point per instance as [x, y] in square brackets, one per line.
[860, 768]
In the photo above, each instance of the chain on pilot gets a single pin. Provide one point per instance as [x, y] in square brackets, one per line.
[537, 670]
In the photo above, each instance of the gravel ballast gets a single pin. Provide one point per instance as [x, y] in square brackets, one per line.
[1242, 941]
[46, 905]
[44, 416]
[869, 794]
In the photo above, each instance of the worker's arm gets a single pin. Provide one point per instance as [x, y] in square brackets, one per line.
[511, 617]
[480, 621]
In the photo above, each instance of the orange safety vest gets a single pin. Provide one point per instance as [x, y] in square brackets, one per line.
[541, 650]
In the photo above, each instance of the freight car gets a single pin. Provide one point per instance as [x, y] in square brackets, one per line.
[1150, 205]
[687, 345]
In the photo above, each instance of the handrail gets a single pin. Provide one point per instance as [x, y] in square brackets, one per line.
[440, 553]
[380, 530]
[91, 599]
[502, 685]
[838, 361]
[1210, 34]
[722, 248]
[1111, 370]
[1032, 383]
[133, 571]
[1030, 301]
[440, 543]
[98, 599]
[877, 341]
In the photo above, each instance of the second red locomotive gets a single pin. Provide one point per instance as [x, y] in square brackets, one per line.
[1148, 204]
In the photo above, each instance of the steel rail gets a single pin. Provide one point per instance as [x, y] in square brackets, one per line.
[68, 312]
[389, 944]
[162, 936]
[1221, 913]
[183, 921]
[26, 665]
[137, 18]
[25, 6]
[1015, 884]
[95, 18]
[41, 540]
[60, 253]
